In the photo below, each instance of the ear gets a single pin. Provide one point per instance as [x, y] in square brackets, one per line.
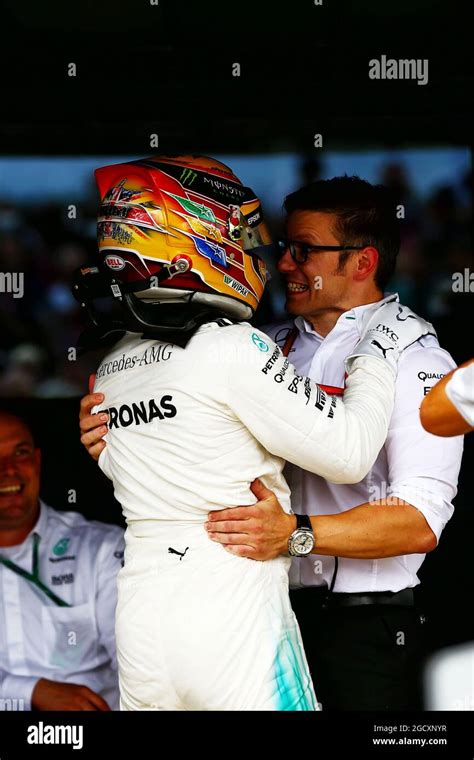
[367, 260]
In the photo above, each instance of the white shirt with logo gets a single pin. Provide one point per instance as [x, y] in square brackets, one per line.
[78, 561]
[413, 465]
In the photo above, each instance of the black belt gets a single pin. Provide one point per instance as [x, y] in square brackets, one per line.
[404, 598]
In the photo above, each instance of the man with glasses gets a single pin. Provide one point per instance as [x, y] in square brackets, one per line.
[58, 592]
[353, 592]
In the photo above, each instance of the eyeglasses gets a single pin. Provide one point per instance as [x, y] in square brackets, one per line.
[299, 251]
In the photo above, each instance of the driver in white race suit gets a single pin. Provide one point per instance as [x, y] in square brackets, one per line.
[199, 404]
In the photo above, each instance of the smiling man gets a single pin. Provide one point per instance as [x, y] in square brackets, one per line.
[353, 591]
[58, 592]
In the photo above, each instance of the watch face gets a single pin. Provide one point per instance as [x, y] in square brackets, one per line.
[302, 543]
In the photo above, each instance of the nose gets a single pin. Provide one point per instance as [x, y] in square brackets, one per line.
[286, 263]
[7, 466]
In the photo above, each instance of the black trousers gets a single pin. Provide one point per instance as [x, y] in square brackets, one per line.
[363, 657]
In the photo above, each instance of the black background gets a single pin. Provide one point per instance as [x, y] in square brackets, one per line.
[167, 69]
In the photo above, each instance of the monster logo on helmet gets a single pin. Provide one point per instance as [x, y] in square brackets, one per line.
[179, 269]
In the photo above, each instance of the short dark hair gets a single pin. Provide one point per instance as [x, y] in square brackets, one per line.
[365, 214]
[9, 411]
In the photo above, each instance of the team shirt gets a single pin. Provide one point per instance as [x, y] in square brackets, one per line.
[413, 465]
[78, 561]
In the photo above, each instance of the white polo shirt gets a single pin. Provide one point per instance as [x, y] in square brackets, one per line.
[78, 561]
[413, 465]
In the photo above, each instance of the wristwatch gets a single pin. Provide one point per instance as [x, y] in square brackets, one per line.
[301, 542]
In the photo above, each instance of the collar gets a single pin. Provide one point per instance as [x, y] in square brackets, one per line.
[348, 320]
[41, 527]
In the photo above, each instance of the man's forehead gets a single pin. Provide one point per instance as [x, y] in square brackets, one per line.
[13, 430]
[314, 223]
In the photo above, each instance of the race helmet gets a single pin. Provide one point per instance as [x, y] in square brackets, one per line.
[179, 239]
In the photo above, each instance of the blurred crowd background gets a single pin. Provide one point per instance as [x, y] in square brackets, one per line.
[47, 229]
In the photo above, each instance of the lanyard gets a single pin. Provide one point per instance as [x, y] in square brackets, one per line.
[33, 577]
[290, 339]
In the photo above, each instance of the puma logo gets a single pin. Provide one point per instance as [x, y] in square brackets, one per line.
[174, 551]
[383, 350]
[409, 316]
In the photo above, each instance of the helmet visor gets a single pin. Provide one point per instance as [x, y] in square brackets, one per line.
[246, 224]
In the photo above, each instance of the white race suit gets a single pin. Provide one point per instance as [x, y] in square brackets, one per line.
[199, 628]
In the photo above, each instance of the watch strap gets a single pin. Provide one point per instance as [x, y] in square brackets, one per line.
[303, 521]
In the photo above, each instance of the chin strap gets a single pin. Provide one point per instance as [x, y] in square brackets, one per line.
[180, 322]
[172, 322]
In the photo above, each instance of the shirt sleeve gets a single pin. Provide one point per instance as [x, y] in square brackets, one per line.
[460, 391]
[110, 560]
[423, 468]
[295, 419]
[18, 689]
